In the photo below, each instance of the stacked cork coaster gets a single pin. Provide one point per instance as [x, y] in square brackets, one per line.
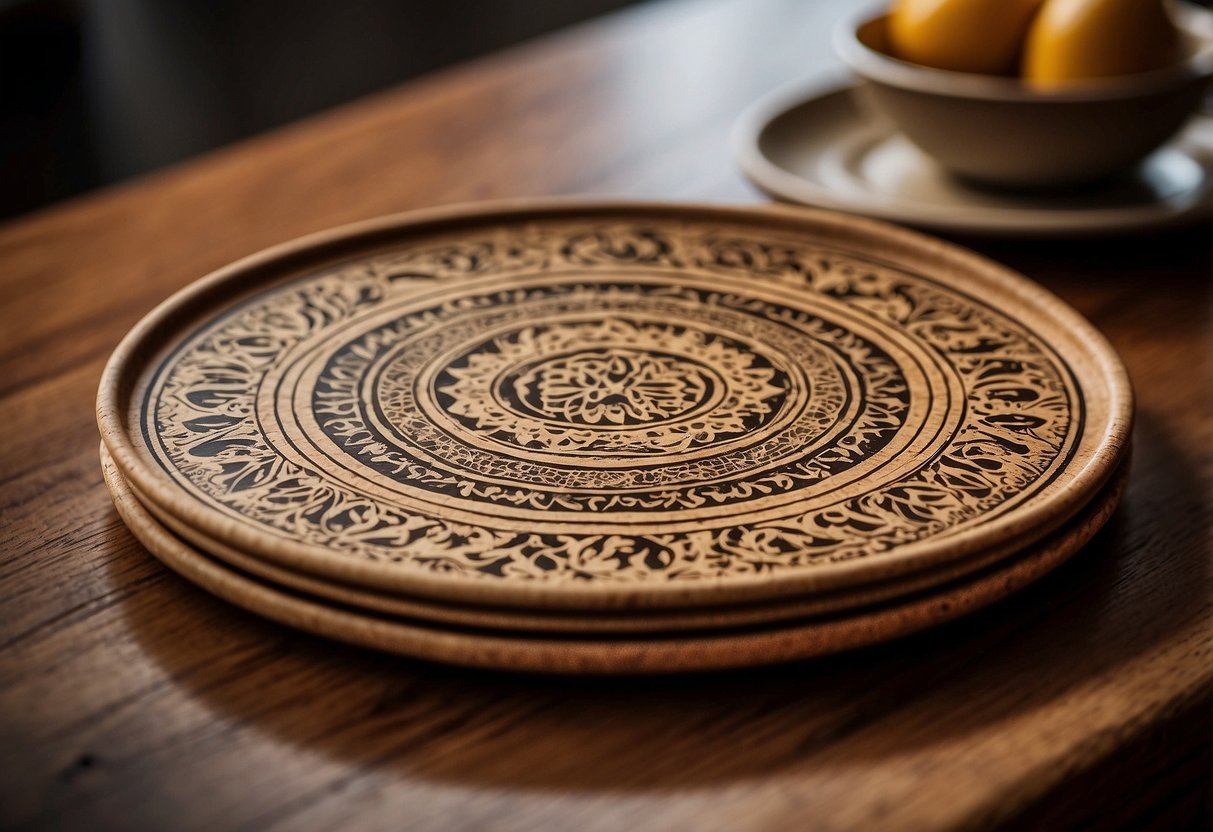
[614, 438]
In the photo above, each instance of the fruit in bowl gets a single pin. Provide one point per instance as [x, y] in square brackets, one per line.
[1034, 93]
[984, 36]
[1073, 40]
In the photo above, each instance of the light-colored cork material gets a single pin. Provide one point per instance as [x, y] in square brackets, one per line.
[616, 406]
[598, 654]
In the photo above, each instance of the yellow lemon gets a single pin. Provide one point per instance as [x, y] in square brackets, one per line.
[1072, 40]
[983, 36]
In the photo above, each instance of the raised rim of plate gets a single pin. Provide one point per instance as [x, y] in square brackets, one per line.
[1104, 448]
[781, 183]
[599, 654]
[609, 623]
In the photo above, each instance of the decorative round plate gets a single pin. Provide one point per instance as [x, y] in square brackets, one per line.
[596, 654]
[818, 145]
[611, 406]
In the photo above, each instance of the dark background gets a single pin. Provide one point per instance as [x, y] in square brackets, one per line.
[95, 91]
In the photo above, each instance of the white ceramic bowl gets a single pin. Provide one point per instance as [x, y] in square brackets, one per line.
[1002, 131]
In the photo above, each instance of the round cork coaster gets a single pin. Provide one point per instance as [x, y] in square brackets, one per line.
[615, 406]
[598, 654]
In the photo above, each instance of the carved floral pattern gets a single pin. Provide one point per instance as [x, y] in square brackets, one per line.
[616, 375]
[698, 386]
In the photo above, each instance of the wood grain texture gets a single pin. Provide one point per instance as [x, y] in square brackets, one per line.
[131, 700]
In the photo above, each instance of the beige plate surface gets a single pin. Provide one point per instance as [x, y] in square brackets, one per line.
[608, 621]
[592, 406]
[819, 145]
[601, 655]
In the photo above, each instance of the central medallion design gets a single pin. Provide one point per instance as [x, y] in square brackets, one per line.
[611, 385]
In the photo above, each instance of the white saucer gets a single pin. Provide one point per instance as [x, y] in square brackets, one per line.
[821, 145]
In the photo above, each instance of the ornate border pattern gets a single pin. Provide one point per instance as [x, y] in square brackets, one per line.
[1016, 418]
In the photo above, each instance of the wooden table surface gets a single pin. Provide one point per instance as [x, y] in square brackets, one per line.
[131, 700]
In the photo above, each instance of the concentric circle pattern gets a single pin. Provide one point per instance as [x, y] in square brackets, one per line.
[617, 400]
